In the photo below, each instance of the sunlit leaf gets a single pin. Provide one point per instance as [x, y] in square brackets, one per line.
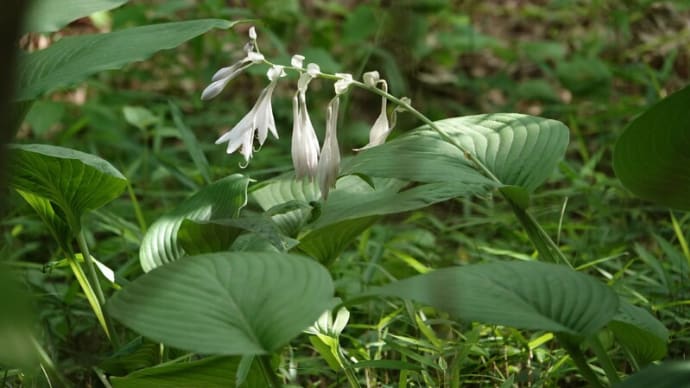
[527, 295]
[72, 59]
[519, 150]
[52, 15]
[221, 199]
[73, 181]
[226, 303]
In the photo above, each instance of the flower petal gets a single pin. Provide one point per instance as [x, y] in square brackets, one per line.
[329, 163]
[305, 145]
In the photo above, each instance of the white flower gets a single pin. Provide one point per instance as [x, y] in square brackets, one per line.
[327, 326]
[305, 145]
[380, 130]
[252, 33]
[329, 164]
[343, 83]
[259, 118]
[297, 61]
[313, 69]
[226, 74]
[370, 78]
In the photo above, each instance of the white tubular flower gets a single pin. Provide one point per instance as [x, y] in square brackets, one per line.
[370, 78]
[380, 130]
[259, 118]
[343, 83]
[313, 69]
[226, 74]
[329, 164]
[297, 61]
[305, 145]
[252, 33]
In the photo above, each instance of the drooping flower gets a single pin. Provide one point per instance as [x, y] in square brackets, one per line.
[370, 78]
[226, 74]
[258, 119]
[329, 163]
[380, 130]
[342, 83]
[297, 61]
[305, 145]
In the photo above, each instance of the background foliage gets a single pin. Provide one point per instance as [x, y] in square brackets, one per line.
[592, 65]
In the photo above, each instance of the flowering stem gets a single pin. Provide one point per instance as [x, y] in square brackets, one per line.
[444, 135]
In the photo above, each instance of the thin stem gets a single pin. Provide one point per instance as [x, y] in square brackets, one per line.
[90, 268]
[444, 135]
[604, 359]
[579, 359]
[137, 209]
[406, 105]
[271, 378]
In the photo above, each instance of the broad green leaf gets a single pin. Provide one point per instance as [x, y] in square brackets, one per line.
[327, 243]
[57, 227]
[72, 180]
[519, 150]
[642, 334]
[72, 59]
[526, 295]
[354, 198]
[197, 237]
[208, 372]
[52, 15]
[221, 199]
[328, 227]
[216, 235]
[274, 195]
[671, 374]
[651, 157]
[228, 303]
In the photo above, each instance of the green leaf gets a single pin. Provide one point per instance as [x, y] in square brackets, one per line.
[651, 157]
[52, 15]
[638, 331]
[228, 303]
[72, 180]
[197, 237]
[274, 195]
[57, 227]
[140, 117]
[526, 295]
[221, 199]
[137, 354]
[72, 59]
[328, 227]
[217, 235]
[520, 150]
[208, 372]
[327, 243]
[672, 374]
